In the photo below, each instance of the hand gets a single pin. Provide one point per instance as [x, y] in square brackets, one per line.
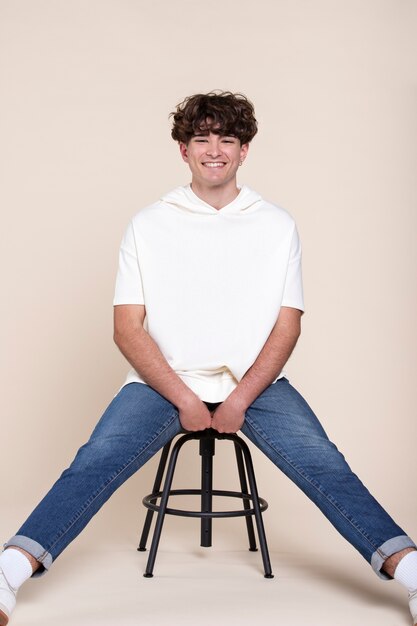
[228, 417]
[194, 415]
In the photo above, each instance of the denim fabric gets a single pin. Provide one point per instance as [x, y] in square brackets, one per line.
[136, 424]
[284, 427]
[139, 422]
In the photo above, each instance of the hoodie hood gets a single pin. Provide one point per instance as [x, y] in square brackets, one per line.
[184, 198]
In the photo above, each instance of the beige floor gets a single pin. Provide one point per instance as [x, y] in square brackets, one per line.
[208, 586]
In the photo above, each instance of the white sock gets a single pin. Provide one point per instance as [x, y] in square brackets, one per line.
[406, 571]
[16, 567]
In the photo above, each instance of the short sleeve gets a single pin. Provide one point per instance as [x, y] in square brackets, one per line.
[293, 290]
[129, 289]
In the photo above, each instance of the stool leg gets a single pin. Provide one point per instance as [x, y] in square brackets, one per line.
[156, 488]
[163, 505]
[246, 503]
[257, 508]
[207, 453]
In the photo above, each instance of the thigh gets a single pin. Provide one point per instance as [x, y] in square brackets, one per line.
[137, 421]
[283, 417]
[135, 408]
[283, 425]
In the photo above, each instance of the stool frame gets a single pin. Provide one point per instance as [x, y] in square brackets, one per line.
[207, 440]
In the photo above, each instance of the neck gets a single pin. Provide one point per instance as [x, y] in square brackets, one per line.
[217, 197]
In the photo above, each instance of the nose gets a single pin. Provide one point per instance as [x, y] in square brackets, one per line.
[213, 148]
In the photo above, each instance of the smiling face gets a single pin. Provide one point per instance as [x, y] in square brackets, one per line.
[213, 159]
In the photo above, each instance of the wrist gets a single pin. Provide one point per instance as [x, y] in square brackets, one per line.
[237, 400]
[187, 399]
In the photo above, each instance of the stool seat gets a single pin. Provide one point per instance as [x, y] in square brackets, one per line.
[207, 440]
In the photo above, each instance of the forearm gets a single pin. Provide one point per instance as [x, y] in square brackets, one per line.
[138, 347]
[267, 366]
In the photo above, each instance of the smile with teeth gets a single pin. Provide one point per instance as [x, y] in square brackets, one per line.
[215, 164]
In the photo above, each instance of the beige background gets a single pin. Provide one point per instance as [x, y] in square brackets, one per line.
[85, 92]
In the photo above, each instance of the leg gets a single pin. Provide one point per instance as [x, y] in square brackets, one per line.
[390, 565]
[33, 562]
[284, 427]
[137, 423]
[246, 504]
[207, 448]
[156, 487]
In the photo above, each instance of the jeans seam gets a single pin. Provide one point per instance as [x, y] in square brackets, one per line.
[90, 501]
[307, 478]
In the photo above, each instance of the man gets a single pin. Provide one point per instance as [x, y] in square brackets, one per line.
[207, 311]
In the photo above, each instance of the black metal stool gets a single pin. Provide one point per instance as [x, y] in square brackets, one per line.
[207, 445]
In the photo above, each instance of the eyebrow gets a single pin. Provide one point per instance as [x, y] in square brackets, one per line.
[205, 133]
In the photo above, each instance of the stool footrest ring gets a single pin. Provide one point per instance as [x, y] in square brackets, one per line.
[150, 500]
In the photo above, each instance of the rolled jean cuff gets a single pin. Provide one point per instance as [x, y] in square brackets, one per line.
[387, 549]
[35, 549]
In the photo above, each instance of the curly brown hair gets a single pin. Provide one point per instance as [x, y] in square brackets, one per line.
[220, 112]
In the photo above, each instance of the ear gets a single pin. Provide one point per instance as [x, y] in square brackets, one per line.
[244, 151]
[183, 151]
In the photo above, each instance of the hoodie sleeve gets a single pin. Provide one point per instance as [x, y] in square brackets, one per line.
[293, 290]
[128, 288]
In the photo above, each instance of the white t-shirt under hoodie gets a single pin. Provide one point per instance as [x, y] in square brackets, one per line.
[212, 281]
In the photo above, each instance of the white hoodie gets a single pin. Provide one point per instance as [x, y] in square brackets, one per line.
[212, 280]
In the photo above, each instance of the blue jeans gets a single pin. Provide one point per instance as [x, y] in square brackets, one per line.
[139, 422]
